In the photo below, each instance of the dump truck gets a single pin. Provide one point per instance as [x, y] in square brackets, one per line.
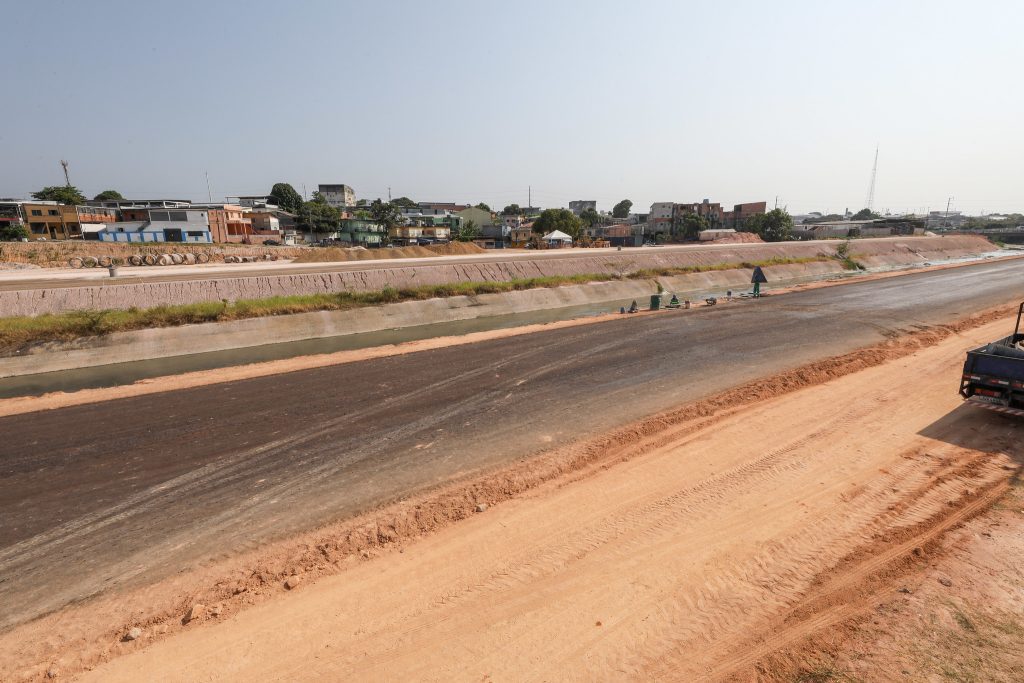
[994, 374]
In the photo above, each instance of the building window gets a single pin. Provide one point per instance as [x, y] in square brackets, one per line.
[54, 212]
[39, 228]
[196, 233]
[179, 216]
[37, 212]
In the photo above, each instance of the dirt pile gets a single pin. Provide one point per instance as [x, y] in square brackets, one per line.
[739, 238]
[332, 254]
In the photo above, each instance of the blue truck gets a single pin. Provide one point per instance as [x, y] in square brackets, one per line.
[994, 374]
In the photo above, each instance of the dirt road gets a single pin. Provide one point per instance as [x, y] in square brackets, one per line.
[102, 497]
[716, 543]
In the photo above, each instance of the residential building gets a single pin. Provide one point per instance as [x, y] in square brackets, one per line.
[708, 210]
[53, 221]
[660, 217]
[480, 217]
[361, 233]
[10, 212]
[580, 205]
[421, 233]
[229, 223]
[338, 196]
[736, 218]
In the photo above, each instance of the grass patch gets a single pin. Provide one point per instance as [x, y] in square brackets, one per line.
[19, 332]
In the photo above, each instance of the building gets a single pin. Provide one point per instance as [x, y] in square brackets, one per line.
[660, 217]
[442, 207]
[361, 233]
[425, 233]
[480, 217]
[737, 218]
[229, 223]
[138, 224]
[10, 213]
[53, 221]
[708, 210]
[338, 196]
[143, 203]
[580, 205]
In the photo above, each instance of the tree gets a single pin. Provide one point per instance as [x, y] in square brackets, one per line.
[621, 210]
[13, 233]
[483, 207]
[864, 214]
[62, 194]
[590, 217]
[774, 226]
[319, 197]
[362, 202]
[285, 196]
[318, 218]
[108, 195]
[558, 219]
[385, 214]
[468, 232]
[691, 226]
[512, 210]
[404, 202]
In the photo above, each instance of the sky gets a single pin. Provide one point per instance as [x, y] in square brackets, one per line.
[470, 101]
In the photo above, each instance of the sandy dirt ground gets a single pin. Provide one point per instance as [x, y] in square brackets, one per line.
[733, 539]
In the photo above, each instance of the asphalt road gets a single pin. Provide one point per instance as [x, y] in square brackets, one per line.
[67, 277]
[101, 496]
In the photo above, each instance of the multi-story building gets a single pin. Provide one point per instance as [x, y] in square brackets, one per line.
[736, 218]
[708, 210]
[229, 223]
[53, 221]
[10, 213]
[580, 205]
[338, 196]
[660, 217]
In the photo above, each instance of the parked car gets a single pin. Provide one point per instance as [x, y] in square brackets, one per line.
[271, 243]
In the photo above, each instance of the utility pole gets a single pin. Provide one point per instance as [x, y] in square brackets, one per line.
[209, 192]
[67, 178]
[776, 201]
[529, 195]
[948, 202]
[389, 194]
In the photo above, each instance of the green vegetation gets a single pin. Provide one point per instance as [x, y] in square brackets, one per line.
[865, 214]
[558, 219]
[404, 202]
[621, 210]
[13, 233]
[19, 332]
[285, 196]
[843, 254]
[468, 232]
[62, 194]
[691, 225]
[108, 195]
[774, 226]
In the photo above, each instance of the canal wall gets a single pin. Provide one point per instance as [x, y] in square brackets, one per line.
[165, 342]
[124, 294]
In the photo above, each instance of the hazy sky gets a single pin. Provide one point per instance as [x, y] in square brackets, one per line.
[474, 100]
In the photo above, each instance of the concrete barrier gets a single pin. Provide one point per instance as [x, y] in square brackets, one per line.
[378, 275]
[164, 342]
